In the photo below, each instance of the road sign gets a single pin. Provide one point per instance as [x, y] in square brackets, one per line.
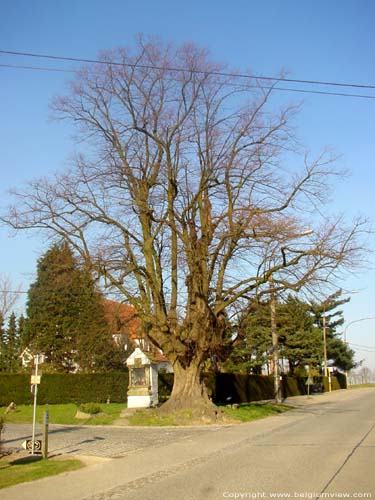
[35, 379]
[309, 381]
[28, 445]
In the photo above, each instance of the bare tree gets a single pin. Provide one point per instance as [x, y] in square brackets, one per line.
[9, 295]
[182, 201]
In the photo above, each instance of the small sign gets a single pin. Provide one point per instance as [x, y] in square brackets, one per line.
[28, 445]
[35, 379]
[309, 381]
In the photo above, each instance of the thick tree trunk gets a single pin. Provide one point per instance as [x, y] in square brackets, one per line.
[189, 391]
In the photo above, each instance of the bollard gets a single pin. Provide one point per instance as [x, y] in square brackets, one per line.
[45, 434]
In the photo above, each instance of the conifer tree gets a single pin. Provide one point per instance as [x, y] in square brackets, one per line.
[300, 341]
[338, 352]
[22, 332]
[65, 316]
[3, 345]
[251, 350]
[13, 347]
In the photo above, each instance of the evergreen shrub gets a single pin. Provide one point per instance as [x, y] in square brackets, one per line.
[338, 381]
[341, 380]
[91, 408]
[292, 386]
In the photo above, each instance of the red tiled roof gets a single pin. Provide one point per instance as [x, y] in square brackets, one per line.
[122, 318]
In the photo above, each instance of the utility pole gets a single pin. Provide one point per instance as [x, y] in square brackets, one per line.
[327, 373]
[275, 343]
[35, 381]
[35, 384]
[325, 345]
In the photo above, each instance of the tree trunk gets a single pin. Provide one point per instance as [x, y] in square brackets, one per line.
[189, 391]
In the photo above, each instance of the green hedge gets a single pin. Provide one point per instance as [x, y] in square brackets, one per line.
[238, 388]
[65, 388]
[226, 388]
[97, 388]
[338, 381]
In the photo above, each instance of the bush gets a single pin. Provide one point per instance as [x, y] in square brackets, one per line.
[91, 408]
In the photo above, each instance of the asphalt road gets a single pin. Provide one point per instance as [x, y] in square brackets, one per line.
[97, 441]
[323, 449]
[326, 450]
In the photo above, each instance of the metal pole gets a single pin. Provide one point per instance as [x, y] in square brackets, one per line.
[36, 359]
[45, 434]
[275, 344]
[327, 373]
[325, 346]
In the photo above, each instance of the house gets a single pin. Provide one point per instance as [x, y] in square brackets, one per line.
[126, 328]
[26, 357]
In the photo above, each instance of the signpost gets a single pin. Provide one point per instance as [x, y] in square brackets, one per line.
[309, 382]
[28, 445]
[35, 381]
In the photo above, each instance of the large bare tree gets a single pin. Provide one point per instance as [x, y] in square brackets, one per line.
[187, 198]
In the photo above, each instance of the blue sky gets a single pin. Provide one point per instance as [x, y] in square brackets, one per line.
[320, 40]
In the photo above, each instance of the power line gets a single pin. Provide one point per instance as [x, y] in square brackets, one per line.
[102, 292]
[360, 346]
[215, 73]
[36, 68]
[286, 89]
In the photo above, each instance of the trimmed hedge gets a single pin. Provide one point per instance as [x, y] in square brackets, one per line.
[229, 388]
[338, 381]
[223, 388]
[59, 388]
[238, 388]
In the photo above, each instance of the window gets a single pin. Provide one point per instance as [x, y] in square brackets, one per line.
[138, 376]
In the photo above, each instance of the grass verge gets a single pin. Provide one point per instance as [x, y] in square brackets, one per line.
[20, 471]
[63, 414]
[361, 386]
[253, 411]
[241, 413]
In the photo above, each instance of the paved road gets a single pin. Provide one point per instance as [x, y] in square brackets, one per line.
[98, 441]
[324, 449]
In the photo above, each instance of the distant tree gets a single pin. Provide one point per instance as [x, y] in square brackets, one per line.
[339, 353]
[3, 345]
[251, 349]
[14, 345]
[23, 332]
[9, 294]
[9, 345]
[300, 340]
[65, 316]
